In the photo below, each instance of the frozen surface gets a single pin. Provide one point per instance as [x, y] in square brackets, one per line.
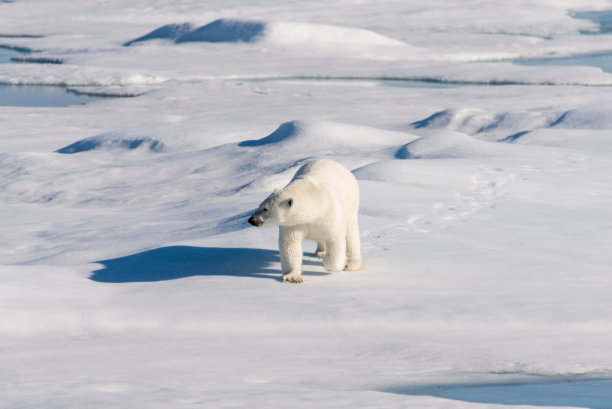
[129, 276]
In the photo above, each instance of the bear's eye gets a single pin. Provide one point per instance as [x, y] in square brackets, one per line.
[265, 209]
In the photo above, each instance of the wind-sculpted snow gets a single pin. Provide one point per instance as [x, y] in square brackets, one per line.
[449, 145]
[249, 31]
[594, 117]
[114, 140]
[487, 124]
[324, 138]
[511, 126]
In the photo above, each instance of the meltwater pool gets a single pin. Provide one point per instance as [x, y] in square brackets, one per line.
[571, 392]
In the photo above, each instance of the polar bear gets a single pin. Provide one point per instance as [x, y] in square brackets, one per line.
[320, 203]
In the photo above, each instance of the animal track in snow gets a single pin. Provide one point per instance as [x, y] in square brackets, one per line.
[486, 187]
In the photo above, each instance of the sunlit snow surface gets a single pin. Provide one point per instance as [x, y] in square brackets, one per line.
[129, 277]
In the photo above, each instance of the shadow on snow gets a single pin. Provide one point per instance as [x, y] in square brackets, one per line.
[174, 262]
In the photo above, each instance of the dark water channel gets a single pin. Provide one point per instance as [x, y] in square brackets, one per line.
[40, 96]
[574, 392]
[35, 95]
[601, 59]
[6, 54]
[603, 18]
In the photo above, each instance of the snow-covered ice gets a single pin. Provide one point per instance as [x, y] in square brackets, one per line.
[130, 278]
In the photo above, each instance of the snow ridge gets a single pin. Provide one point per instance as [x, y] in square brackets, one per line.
[227, 30]
[114, 140]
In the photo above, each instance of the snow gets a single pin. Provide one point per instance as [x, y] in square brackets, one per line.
[130, 278]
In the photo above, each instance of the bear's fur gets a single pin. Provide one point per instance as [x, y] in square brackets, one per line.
[320, 203]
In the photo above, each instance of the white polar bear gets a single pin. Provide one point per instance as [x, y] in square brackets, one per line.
[320, 203]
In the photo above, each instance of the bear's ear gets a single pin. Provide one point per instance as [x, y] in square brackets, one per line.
[290, 202]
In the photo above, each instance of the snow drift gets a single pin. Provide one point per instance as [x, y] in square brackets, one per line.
[593, 116]
[449, 145]
[250, 31]
[114, 140]
[316, 137]
[486, 124]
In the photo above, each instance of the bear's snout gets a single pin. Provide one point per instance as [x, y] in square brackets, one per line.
[255, 221]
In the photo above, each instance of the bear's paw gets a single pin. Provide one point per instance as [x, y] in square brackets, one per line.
[293, 277]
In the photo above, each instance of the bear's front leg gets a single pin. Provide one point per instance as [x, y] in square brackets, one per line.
[290, 246]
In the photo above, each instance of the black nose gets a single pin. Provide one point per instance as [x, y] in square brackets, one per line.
[252, 221]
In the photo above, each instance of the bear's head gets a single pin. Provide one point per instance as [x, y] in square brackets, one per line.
[299, 202]
[274, 211]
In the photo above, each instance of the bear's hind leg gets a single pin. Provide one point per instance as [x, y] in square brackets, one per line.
[320, 251]
[335, 256]
[353, 247]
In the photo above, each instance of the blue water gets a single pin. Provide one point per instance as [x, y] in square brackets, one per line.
[584, 393]
[599, 60]
[39, 96]
[35, 95]
[6, 54]
[602, 18]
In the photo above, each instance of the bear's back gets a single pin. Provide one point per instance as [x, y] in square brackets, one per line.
[337, 180]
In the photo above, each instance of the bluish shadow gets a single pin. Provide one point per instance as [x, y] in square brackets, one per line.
[174, 262]
[437, 119]
[110, 141]
[218, 31]
[514, 137]
[284, 131]
[225, 31]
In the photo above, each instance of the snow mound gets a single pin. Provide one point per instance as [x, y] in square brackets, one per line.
[486, 124]
[386, 171]
[286, 131]
[282, 33]
[587, 117]
[323, 135]
[114, 140]
[448, 145]
[322, 34]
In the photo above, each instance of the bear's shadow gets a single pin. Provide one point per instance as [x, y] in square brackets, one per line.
[174, 262]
